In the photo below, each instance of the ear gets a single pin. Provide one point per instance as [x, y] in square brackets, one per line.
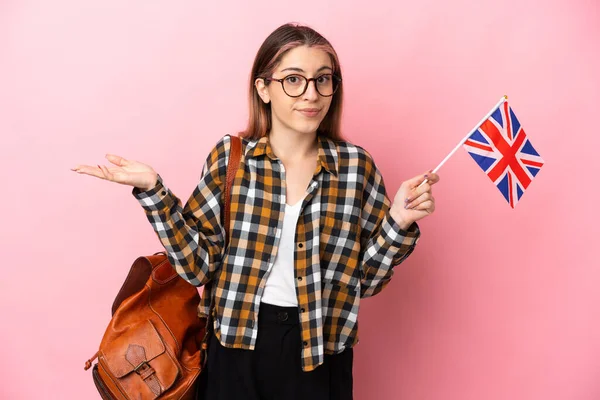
[262, 90]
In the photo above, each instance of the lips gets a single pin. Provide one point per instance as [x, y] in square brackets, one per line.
[309, 112]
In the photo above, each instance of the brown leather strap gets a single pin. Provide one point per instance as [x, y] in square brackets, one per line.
[136, 355]
[235, 154]
[88, 363]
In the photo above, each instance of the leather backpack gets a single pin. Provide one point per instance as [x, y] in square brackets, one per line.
[155, 344]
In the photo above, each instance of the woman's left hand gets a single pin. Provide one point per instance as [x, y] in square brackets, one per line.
[413, 202]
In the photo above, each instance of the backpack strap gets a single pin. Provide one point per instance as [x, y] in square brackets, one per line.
[235, 155]
[233, 164]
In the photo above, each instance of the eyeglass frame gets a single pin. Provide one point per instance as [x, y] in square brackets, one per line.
[333, 76]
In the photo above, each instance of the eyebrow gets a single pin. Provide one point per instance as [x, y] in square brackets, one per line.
[301, 70]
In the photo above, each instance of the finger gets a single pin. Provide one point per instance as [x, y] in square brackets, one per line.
[418, 200]
[89, 170]
[432, 178]
[418, 191]
[117, 160]
[428, 206]
[107, 174]
[417, 180]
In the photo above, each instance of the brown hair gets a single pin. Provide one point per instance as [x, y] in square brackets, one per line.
[269, 55]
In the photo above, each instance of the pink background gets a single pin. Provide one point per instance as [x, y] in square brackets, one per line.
[494, 304]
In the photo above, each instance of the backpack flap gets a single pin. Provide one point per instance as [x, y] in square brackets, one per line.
[140, 362]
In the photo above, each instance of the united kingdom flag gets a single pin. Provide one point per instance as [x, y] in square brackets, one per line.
[501, 148]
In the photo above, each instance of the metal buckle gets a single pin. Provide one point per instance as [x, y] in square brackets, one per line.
[140, 366]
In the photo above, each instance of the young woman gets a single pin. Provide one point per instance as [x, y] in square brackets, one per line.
[312, 230]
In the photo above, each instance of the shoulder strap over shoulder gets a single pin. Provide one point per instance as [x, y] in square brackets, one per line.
[235, 154]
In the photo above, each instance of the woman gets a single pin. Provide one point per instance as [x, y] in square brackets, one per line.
[312, 230]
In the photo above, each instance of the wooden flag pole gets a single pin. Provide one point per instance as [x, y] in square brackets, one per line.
[502, 100]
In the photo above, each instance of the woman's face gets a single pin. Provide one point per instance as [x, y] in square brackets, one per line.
[301, 114]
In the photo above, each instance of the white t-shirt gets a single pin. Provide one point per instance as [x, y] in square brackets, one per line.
[280, 288]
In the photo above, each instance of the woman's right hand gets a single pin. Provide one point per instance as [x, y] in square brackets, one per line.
[125, 172]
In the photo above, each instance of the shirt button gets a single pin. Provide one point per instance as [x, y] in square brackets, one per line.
[299, 278]
[300, 245]
[305, 343]
[163, 192]
[302, 310]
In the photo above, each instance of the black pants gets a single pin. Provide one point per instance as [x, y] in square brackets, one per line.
[272, 371]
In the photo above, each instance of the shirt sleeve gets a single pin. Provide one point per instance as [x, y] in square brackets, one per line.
[383, 243]
[193, 236]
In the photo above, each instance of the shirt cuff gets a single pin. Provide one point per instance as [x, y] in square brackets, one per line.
[156, 199]
[397, 237]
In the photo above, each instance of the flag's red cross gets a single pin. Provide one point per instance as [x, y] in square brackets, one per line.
[505, 153]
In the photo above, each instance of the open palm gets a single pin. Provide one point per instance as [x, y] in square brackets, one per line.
[124, 171]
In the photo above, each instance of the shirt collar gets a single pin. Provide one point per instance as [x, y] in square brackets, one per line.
[327, 156]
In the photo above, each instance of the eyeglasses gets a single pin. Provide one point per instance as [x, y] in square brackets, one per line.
[295, 85]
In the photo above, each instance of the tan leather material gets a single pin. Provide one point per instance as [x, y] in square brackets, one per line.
[136, 356]
[155, 344]
[232, 167]
[106, 380]
[139, 343]
[135, 281]
[163, 273]
[151, 348]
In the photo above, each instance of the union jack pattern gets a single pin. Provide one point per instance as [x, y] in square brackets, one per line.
[501, 148]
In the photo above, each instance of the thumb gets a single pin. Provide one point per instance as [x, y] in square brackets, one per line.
[416, 181]
[117, 160]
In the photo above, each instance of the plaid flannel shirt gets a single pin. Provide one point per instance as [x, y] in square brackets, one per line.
[346, 241]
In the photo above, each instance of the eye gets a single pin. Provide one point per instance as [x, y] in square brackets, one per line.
[325, 78]
[293, 79]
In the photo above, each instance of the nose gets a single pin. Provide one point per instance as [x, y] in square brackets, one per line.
[311, 91]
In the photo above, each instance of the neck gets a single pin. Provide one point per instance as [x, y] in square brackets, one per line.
[292, 145]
